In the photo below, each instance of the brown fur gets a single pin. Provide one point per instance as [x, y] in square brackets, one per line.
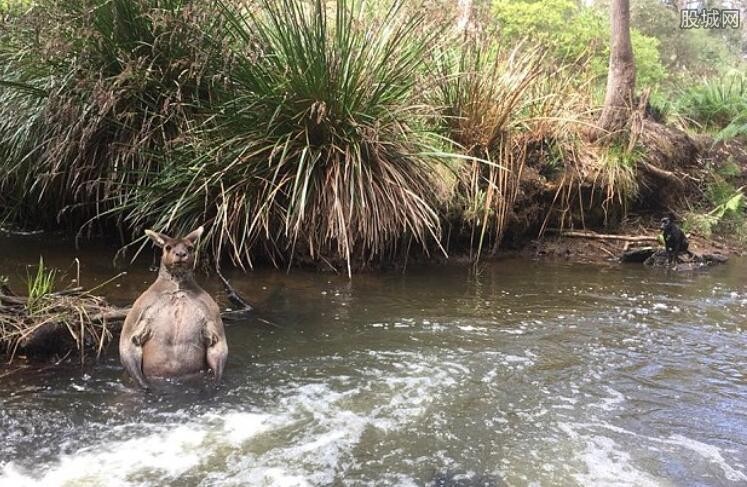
[174, 328]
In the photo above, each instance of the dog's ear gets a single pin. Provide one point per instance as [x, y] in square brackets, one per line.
[159, 239]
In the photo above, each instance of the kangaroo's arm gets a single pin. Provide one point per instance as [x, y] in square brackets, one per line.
[135, 332]
[216, 347]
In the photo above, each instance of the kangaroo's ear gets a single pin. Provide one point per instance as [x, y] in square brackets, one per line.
[195, 236]
[159, 238]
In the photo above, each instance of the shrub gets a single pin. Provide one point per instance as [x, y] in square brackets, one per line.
[89, 109]
[317, 150]
[686, 53]
[717, 104]
[483, 91]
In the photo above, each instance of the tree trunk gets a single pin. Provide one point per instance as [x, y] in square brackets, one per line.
[618, 100]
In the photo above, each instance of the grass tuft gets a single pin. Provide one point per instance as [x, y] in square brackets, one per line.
[39, 286]
[718, 104]
[318, 152]
[483, 90]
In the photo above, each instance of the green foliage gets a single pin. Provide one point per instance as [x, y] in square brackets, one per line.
[686, 53]
[718, 104]
[571, 32]
[720, 192]
[39, 285]
[14, 7]
[486, 93]
[729, 169]
[87, 121]
[732, 206]
[616, 171]
[727, 216]
[737, 128]
[309, 130]
[317, 150]
[699, 223]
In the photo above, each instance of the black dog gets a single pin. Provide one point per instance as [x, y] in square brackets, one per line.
[675, 240]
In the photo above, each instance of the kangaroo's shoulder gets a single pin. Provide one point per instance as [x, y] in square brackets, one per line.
[211, 307]
[155, 293]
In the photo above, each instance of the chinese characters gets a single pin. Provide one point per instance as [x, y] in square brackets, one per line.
[692, 18]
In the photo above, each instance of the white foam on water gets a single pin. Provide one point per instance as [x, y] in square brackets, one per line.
[323, 450]
[270, 477]
[513, 359]
[607, 464]
[708, 452]
[472, 328]
[240, 426]
[170, 453]
[307, 437]
[610, 403]
[167, 452]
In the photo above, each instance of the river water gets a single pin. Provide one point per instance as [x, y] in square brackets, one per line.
[524, 373]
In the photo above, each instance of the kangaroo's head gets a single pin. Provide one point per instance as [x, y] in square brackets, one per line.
[178, 253]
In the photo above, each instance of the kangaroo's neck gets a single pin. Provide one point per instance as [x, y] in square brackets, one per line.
[182, 278]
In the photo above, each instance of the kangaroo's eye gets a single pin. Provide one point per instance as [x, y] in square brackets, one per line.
[168, 248]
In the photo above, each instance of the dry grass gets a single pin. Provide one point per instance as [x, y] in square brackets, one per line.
[49, 322]
[483, 90]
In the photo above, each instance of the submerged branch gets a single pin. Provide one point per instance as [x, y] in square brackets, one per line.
[234, 297]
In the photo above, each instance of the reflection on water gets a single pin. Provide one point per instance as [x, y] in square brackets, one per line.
[526, 373]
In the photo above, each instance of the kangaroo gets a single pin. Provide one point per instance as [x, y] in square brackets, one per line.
[174, 329]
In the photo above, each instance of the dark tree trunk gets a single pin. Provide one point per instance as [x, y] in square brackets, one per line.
[618, 100]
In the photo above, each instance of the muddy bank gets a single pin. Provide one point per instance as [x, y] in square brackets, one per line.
[598, 251]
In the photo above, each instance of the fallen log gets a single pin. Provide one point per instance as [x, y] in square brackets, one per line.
[638, 255]
[692, 262]
[604, 236]
[113, 315]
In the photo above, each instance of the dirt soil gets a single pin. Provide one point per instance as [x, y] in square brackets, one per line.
[587, 250]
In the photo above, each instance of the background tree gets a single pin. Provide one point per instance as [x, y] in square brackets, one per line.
[621, 75]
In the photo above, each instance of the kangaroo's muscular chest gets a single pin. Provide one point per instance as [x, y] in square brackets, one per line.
[176, 318]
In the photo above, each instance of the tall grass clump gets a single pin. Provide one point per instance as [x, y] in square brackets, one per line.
[92, 102]
[616, 174]
[483, 90]
[318, 151]
[718, 104]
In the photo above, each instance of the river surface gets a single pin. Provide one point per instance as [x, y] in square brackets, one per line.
[524, 373]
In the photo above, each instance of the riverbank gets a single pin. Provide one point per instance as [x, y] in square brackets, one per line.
[598, 250]
[187, 115]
